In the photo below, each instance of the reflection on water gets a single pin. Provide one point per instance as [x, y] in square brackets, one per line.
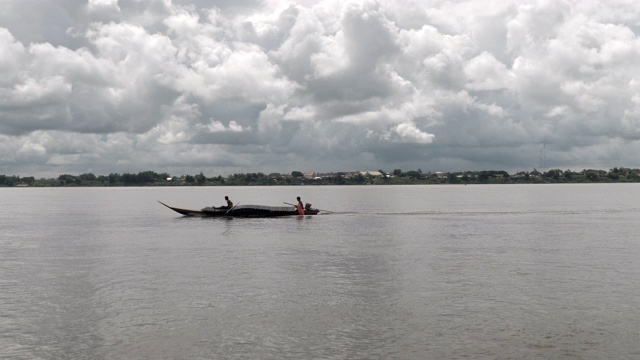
[396, 272]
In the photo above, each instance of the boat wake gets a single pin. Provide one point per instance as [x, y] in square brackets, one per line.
[459, 213]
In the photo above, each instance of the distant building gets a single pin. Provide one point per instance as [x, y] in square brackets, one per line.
[371, 173]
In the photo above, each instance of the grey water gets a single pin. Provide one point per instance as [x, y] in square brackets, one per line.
[388, 272]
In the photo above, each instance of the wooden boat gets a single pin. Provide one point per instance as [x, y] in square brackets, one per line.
[243, 211]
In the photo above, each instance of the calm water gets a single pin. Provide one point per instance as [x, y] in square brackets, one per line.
[401, 272]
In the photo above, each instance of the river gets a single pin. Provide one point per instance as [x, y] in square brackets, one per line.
[385, 272]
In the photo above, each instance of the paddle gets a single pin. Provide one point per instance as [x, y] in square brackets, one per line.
[327, 211]
[231, 208]
[298, 207]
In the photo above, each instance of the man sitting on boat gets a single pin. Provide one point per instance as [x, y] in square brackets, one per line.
[229, 204]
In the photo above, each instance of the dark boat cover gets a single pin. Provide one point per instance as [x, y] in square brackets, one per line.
[243, 211]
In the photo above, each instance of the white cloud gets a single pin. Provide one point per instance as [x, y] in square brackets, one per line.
[97, 6]
[408, 132]
[484, 72]
[217, 126]
[29, 148]
[326, 85]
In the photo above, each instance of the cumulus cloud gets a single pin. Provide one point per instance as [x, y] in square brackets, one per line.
[409, 132]
[241, 86]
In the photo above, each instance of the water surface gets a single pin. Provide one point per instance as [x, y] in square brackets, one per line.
[402, 272]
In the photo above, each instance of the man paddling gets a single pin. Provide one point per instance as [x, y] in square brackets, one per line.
[299, 206]
[229, 203]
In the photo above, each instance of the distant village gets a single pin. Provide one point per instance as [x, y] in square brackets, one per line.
[369, 177]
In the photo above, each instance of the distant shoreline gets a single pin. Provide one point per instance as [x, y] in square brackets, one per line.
[296, 178]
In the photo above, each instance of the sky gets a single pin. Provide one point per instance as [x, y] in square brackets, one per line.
[238, 86]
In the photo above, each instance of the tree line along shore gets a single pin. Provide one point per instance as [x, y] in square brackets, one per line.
[379, 177]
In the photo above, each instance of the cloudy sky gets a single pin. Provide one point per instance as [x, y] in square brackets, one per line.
[228, 86]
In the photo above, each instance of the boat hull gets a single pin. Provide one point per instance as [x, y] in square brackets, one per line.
[247, 211]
